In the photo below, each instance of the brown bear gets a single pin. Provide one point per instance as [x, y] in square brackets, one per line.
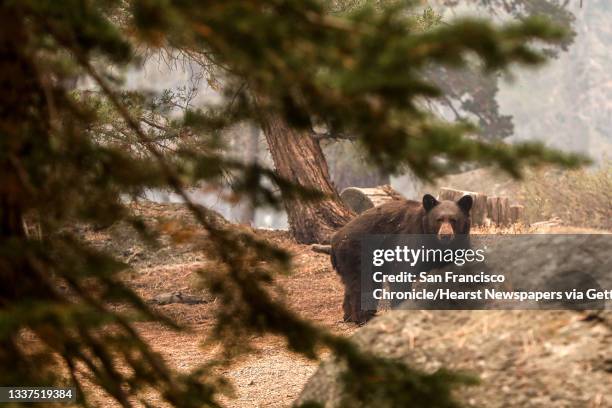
[445, 220]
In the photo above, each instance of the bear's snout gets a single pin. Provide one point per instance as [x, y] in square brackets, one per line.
[446, 232]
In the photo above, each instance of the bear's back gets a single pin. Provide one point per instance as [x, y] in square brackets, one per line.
[395, 217]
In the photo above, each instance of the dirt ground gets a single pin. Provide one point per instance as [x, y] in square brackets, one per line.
[271, 376]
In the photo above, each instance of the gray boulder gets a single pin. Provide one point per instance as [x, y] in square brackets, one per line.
[528, 358]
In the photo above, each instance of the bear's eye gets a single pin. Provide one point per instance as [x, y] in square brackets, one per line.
[440, 220]
[452, 220]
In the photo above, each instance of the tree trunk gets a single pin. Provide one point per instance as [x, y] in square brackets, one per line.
[251, 153]
[21, 100]
[298, 158]
[20, 84]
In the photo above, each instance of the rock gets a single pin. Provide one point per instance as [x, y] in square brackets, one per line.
[516, 354]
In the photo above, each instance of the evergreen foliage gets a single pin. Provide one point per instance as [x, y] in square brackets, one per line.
[69, 157]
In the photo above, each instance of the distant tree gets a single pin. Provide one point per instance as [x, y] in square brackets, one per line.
[70, 158]
[348, 166]
[467, 94]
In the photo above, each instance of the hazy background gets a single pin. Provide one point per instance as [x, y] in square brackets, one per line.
[567, 103]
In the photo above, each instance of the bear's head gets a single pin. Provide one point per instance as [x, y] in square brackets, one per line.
[446, 219]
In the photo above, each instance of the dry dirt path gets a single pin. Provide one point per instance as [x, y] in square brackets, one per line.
[271, 376]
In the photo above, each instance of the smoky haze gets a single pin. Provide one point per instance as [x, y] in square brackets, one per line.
[566, 103]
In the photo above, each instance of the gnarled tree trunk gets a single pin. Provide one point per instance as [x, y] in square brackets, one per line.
[298, 157]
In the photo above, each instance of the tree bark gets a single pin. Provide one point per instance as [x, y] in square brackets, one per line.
[251, 153]
[298, 157]
[21, 89]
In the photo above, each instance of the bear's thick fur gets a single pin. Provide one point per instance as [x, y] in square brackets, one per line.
[443, 219]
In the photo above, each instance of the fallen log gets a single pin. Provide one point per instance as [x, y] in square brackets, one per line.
[361, 199]
[178, 297]
[517, 214]
[322, 249]
[498, 210]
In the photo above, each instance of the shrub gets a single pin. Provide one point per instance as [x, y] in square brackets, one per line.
[578, 197]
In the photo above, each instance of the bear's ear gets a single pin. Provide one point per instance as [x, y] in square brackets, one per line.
[429, 202]
[465, 203]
